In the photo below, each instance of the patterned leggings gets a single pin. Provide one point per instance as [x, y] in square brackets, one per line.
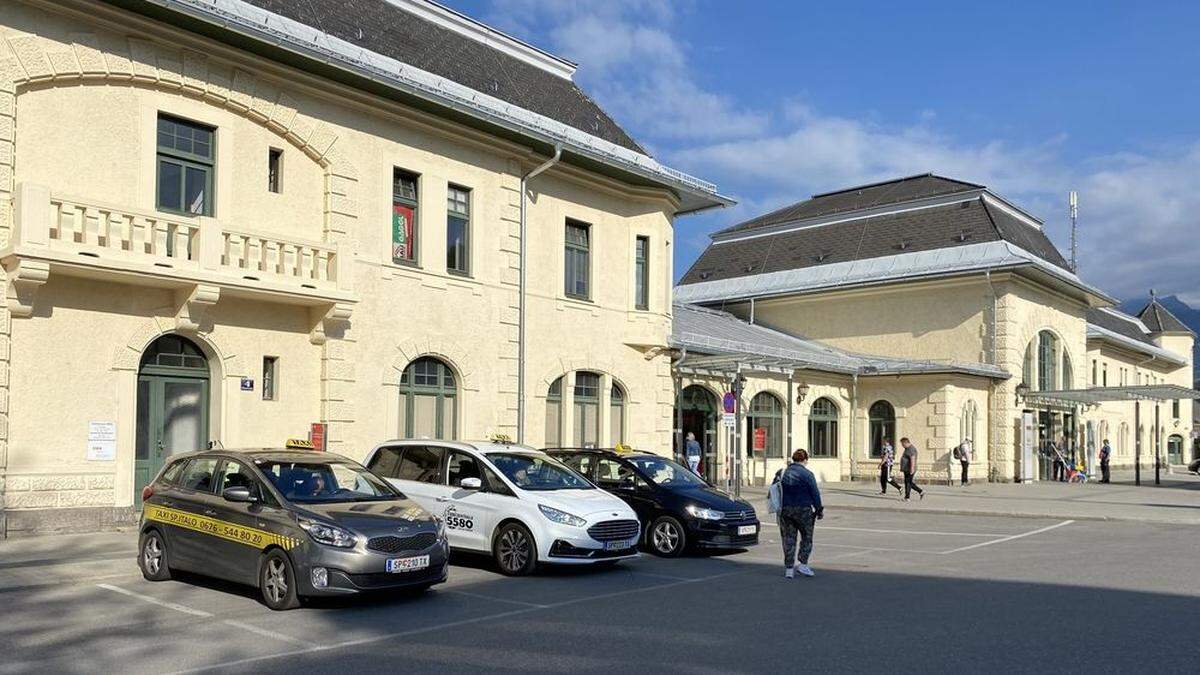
[795, 520]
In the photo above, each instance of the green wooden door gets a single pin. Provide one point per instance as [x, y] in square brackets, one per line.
[172, 405]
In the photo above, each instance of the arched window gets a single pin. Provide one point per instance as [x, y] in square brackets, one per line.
[764, 425]
[968, 424]
[616, 414]
[554, 414]
[1175, 449]
[823, 428]
[1047, 353]
[428, 400]
[1068, 374]
[587, 410]
[1123, 439]
[882, 421]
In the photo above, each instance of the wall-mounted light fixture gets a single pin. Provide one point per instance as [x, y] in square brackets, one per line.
[801, 392]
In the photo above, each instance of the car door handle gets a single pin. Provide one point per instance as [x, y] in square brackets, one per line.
[442, 499]
[209, 512]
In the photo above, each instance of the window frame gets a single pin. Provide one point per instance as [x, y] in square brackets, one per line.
[581, 401]
[444, 430]
[465, 215]
[830, 421]
[185, 160]
[617, 398]
[413, 203]
[641, 273]
[773, 418]
[275, 170]
[584, 250]
[886, 424]
[271, 393]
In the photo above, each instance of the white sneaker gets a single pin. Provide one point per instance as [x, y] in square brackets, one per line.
[789, 573]
[804, 569]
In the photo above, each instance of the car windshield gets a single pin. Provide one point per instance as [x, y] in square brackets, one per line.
[534, 472]
[312, 482]
[666, 473]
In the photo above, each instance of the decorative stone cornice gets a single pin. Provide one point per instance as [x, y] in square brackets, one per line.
[24, 277]
[192, 306]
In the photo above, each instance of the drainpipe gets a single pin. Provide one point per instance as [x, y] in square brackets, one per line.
[521, 294]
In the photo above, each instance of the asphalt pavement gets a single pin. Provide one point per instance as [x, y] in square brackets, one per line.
[895, 591]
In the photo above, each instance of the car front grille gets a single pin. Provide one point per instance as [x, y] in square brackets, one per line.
[614, 530]
[392, 544]
[747, 514]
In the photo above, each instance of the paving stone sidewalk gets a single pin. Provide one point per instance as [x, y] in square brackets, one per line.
[1176, 501]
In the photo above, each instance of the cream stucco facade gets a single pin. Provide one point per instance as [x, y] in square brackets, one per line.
[96, 273]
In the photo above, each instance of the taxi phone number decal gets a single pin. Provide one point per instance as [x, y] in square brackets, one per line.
[457, 521]
[219, 528]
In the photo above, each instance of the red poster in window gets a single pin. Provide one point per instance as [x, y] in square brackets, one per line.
[760, 440]
[403, 227]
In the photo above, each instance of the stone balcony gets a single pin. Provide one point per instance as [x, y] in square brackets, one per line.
[199, 258]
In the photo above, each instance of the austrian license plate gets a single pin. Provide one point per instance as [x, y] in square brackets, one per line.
[619, 545]
[408, 564]
[744, 530]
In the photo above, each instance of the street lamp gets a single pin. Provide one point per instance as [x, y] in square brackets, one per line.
[1022, 392]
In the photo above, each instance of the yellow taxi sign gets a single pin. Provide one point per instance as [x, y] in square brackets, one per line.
[298, 444]
[622, 449]
[500, 438]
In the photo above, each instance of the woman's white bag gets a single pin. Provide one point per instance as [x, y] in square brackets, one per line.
[775, 496]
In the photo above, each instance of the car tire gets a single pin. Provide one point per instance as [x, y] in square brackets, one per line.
[514, 550]
[152, 556]
[666, 537]
[277, 581]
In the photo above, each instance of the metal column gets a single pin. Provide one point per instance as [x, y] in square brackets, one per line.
[1137, 442]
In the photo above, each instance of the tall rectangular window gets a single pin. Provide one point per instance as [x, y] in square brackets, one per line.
[274, 169]
[1175, 408]
[185, 166]
[1104, 375]
[404, 216]
[458, 230]
[641, 273]
[1094, 380]
[270, 374]
[578, 260]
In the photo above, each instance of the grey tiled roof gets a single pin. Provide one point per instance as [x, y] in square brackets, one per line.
[860, 197]
[1120, 323]
[1160, 320]
[385, 29]
[938, 227]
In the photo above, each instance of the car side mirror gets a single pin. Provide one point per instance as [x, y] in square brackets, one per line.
[471, 484]
[238, 494]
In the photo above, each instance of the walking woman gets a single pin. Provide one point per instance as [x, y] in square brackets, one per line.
[908, 466]
[800, 508]
[887, 456]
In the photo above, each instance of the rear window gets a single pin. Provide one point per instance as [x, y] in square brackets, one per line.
[198, 475]
[421, 464]
[171, 475]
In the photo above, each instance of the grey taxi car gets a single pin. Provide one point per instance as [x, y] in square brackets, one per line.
[294, 523]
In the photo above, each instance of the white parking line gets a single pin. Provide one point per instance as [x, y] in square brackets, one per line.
[921, 532]
[155, 601]
[1008, 538]
[450, 624]
[481, 596]
[263, 632]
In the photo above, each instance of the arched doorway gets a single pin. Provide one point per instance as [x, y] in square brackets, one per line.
[172, 404]
[1175, 449]
[698, 413]
[428, 400]
[882, 422]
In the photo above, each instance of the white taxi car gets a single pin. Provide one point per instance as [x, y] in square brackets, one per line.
[519, 504]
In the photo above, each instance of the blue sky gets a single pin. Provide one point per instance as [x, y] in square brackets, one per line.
[774, 101]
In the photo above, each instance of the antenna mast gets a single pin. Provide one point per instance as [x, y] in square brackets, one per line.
[1073, 200]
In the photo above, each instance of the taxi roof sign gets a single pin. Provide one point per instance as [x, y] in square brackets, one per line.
[298, 444]
[500, 438]
[622, 449]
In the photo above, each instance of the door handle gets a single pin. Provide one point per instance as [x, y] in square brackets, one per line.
[209, 512]
[168, 503]
[443, 499]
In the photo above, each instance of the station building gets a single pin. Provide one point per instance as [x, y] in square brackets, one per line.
[925, 307]
[225, 221]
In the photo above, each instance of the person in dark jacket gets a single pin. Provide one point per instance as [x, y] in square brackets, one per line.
[908, 467]
[1105, 455]
[800, 508]
[887, 457]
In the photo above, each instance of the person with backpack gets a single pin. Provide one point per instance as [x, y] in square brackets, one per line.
[887, 457]
[691, 450]
[963, 454]
[794, 492]
[908, 467]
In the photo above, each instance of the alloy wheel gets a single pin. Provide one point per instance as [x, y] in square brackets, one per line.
[665, 537]
[152, 555]
[276, 583]
[514, 550]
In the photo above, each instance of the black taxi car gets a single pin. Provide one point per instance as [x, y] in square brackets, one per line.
[677, 508]
[295, 523]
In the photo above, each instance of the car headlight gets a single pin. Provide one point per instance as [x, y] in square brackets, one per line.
[704, 513]
[330, 535]
[561, 516]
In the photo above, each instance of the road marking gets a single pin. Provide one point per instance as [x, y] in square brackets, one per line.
[671, 577]
[155, 601]
[1009, 538]
[451, 624]
[881, 531]
[266, 633]
[481, 596]
[878, 548]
